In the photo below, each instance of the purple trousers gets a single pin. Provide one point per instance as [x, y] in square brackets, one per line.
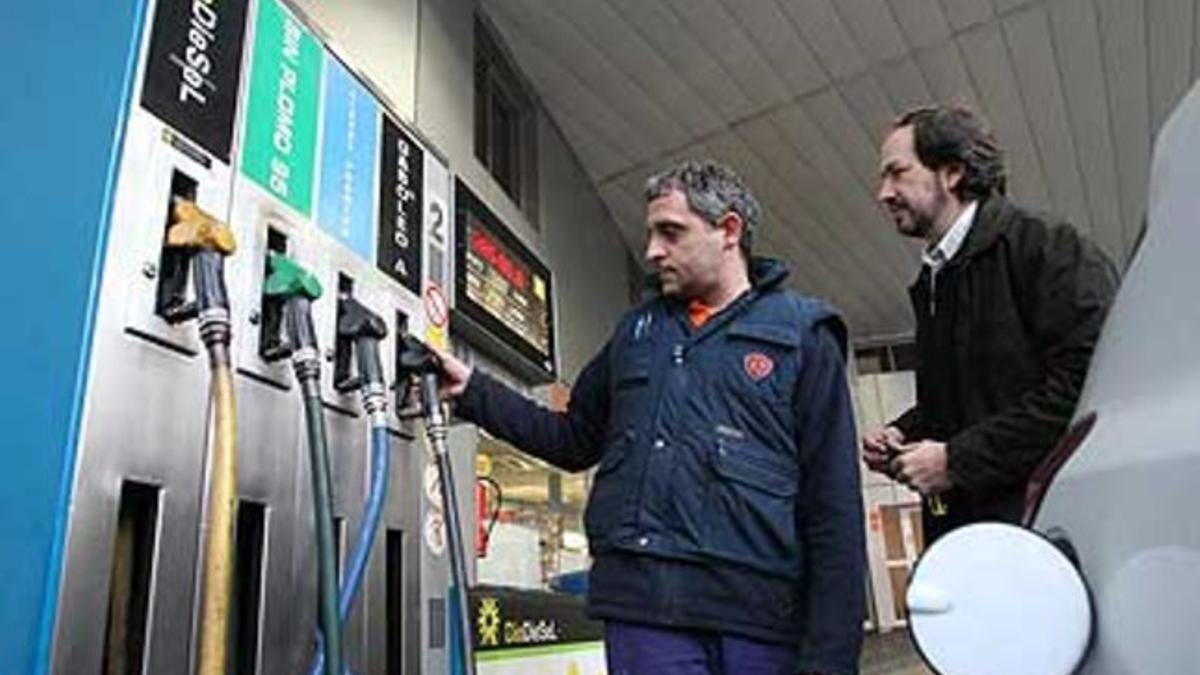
[636, 649]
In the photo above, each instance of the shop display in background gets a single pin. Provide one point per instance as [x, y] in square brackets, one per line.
[537, 536]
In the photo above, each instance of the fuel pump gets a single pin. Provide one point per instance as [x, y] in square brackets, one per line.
[197, 238]
[296, 288]
[359, 332]
[417, 360]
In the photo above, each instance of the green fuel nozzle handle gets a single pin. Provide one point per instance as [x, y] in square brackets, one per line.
[288, 278]
[297, 287]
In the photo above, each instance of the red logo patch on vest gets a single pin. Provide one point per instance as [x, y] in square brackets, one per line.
[758, 365]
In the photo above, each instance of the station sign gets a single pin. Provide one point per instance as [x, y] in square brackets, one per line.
[281, 120]
[193, 69]
[349, 146]
[401, 164]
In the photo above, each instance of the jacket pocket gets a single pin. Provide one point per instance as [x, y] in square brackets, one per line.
[752, 504]
[611, 490]
[630, 383]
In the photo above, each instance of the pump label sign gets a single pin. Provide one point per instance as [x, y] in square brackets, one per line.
[193, 68]
[400, 179]
[281, 120]
[349, 146]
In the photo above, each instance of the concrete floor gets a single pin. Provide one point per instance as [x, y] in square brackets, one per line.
[891, 654]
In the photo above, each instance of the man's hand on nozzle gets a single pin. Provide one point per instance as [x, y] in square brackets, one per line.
[879, 448]
[455, 375]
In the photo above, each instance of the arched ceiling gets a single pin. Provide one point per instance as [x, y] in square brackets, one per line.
[797, 93]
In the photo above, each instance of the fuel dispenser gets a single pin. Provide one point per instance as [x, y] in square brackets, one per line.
[164, 536]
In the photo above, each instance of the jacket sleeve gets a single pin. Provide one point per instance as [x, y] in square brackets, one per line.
[571, 441]
[1063, 286]
[909, 424]
[830, 513]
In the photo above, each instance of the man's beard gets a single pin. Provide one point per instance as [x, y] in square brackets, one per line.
[921, 224]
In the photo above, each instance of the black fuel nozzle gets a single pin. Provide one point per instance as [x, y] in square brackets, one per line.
[359, 332]
[416, 359]
[296, 288]
[199, 243]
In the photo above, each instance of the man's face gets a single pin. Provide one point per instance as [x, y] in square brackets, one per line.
[915, 196]
[683, 248]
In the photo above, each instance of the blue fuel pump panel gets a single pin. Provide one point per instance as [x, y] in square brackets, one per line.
[76, 71]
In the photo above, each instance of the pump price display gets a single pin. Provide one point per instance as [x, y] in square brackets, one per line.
[506, 287]
[281, 131]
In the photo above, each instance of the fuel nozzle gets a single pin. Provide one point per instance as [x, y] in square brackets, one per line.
[417, 359]
[359, 332]
[295, 288]
[203, 241]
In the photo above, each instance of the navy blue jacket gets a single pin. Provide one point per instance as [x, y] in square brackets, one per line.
[727, 493]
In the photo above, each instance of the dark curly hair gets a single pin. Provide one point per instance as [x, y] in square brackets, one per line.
[948, 135]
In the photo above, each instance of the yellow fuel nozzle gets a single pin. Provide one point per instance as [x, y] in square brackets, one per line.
[192, 227]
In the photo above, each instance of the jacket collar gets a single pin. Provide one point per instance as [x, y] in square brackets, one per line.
[991, 220]
[993, 217]
[766, 273]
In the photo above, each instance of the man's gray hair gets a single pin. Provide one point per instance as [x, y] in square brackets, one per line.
[711, 190]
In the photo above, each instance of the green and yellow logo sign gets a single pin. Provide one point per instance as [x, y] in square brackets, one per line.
[281, 120]
[489, 622]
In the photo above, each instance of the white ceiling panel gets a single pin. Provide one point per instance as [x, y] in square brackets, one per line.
[809, 140]
[1028, 34]
[822, 28]
[991, 69]
[570, 90]
[1195, 42]
[872, 107]
[598, 157]
[640, 61]
[905, 84]
[852, 140]
[1169, 25]
[874, 28]
[1077, 42]
[966, 13]
[1122, 35]
[923, 21]
[1003, 6]
[826, 232]
[689, 59]
[784, 50]
[737, 53]
[559, 37]
[947, 75]
[797, 93]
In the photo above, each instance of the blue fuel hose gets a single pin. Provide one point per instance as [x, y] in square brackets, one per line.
[372, 513]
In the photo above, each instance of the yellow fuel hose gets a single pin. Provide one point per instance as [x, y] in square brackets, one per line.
[207, 241]
[218, 545]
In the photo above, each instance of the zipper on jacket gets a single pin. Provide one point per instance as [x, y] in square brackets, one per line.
[932, 292]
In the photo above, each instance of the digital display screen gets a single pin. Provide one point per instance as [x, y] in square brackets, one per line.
[500, 283]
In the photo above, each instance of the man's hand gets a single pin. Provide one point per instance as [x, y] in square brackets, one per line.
[922, 466]
[455, 375]
[877, 447]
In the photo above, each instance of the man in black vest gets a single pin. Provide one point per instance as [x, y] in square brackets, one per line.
[725, 520]
[1008, 307]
